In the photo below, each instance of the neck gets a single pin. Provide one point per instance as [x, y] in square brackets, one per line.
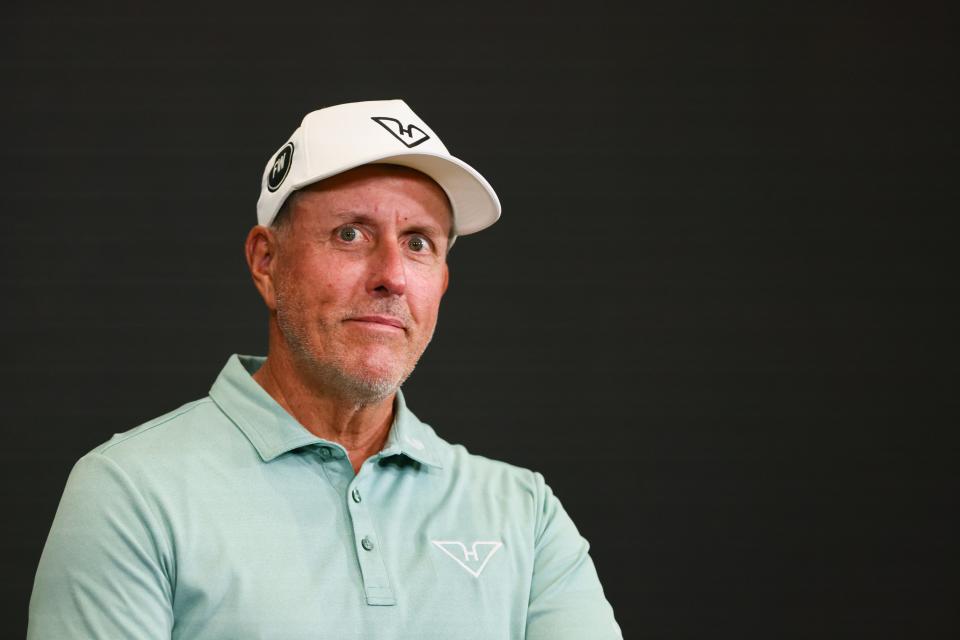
[361, 428]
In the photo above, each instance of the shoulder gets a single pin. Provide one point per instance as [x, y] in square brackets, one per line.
[170, 423]
[491, 476]
[197, 429]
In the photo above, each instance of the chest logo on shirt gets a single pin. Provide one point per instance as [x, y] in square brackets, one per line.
[474, 559]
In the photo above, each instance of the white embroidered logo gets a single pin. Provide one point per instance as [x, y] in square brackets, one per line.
[473, 560]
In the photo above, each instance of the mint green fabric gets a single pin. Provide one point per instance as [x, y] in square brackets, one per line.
[227, 519]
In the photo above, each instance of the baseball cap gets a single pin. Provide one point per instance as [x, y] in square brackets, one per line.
[338, 138]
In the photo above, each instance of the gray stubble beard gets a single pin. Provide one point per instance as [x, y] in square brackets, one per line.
[331, 373]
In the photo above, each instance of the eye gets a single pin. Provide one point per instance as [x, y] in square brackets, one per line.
[419, 244]
[348, 233]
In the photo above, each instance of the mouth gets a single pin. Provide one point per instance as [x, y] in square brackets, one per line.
[376, 321]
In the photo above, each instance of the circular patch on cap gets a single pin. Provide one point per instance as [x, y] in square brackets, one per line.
[280, 168]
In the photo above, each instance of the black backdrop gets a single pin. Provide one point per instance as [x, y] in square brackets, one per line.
[717, 312]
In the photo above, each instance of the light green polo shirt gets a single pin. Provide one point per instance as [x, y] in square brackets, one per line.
[228, 520]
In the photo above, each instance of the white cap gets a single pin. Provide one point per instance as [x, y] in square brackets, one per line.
[338, 138]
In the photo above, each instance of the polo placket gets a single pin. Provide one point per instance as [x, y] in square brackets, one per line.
[373, 571]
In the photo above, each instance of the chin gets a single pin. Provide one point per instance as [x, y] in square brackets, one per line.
[375, 363]
[368, 388]
[377, 377]
[374, 371]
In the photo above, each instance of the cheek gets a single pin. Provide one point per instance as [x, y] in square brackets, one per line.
[326, 301]
[314, 285]
[425, 298]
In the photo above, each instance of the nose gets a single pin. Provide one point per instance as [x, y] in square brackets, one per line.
[387, 271]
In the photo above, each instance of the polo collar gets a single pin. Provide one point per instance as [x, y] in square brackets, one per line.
[272, 431]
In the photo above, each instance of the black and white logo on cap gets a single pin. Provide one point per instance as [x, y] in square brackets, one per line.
[411, 135]
[280, 168]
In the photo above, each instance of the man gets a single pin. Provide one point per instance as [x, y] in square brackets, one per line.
[302, 498]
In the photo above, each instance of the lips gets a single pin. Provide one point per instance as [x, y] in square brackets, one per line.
[389, 321]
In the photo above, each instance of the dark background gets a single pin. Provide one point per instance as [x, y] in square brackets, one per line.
[718, 312]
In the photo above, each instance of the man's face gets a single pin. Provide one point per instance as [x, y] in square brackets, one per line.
[359, 273]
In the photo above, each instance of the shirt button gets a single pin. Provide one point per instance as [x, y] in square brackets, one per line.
[367, 543]
[325, 452]
[356, 495]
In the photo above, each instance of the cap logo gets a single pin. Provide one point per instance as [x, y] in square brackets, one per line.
[280, 168]
[411, 135]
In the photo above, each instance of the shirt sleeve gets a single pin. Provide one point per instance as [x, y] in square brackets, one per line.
[102, 573]
[566, 598]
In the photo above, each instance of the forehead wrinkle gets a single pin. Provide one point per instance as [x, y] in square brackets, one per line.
[354, 202]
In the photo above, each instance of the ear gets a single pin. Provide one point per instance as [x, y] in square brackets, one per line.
[446, 278]
[261, 251]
